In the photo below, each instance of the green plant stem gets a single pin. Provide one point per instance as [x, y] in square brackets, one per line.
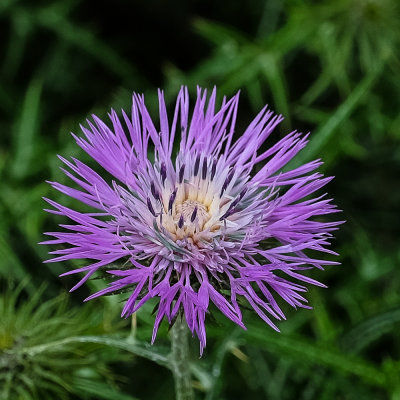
[180, 361]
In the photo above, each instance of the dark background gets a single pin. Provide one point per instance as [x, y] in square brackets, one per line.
[331, 67]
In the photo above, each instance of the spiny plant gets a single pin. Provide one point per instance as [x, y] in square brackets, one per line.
[39, 357]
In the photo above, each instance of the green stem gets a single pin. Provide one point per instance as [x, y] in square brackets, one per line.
[180, 360]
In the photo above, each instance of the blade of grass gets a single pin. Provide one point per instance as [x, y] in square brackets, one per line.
[87, 41]
[10, 265]
[305, 350]
[370, 330]
[325, 132]
[25, 129]
[98, 390]
[21, 26]
[228, 343]
[276, 81]
[145, 350]
[217, 33]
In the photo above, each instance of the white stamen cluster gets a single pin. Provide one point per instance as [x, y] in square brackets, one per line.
[194, 205]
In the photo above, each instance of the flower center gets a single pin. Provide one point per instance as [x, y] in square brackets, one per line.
[187, 220]
[192, 207]
[194, 202]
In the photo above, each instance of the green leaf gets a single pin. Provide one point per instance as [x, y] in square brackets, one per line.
[276, 81]
[25, 129]
[227, 344]
[306, 351]
[370, 330]
[325, 133]
[156, 354]
[98, 390]
[53, 20]
[10, 265]
[218, 33]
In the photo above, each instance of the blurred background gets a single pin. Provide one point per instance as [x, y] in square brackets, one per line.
[331, 67]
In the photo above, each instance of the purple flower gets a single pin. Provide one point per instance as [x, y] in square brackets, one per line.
[194, 217]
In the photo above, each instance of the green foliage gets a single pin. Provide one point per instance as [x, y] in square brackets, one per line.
[38, 358]
[331, 67]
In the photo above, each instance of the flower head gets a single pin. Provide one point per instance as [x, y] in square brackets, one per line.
[193, 215]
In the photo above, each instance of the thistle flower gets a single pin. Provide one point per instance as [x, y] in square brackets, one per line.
[194, 216]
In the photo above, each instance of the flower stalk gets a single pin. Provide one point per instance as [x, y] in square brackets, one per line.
[180, 360]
